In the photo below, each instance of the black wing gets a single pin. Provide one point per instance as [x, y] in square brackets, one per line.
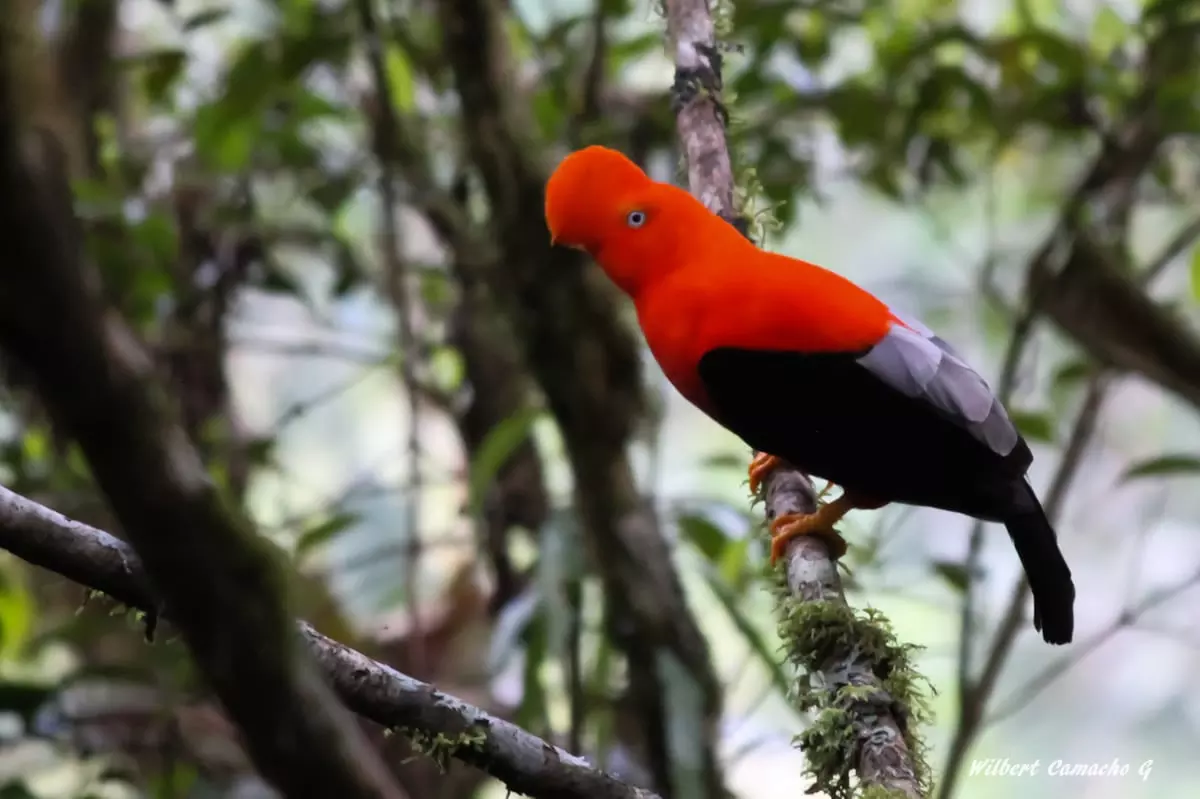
[896, 422]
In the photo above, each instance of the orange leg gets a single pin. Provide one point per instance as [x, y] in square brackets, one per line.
[762, 465]
[820, 523]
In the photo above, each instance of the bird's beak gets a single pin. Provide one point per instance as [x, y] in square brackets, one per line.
[554, 242]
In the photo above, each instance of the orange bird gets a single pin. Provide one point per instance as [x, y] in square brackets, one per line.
[803, 364]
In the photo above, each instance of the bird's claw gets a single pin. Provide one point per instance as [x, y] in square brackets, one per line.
[790, 525]
[821, 494]
[820, 523]
[761, 465]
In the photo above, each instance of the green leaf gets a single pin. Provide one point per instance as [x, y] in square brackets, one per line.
[1195, 274]
[632, 49]
[333, 193]
[532, 712]
[732, 603]
[348, 274]
[495, 450]
[16, 788]
[401, 79]
[954, 573]
[733, 566]
[251, 79]
[16, 612]
[156, 233]
[227, 130]
[703, 534]
[599, 684]
[1163, 466]
[277, 280]
[684, 700]
[1109, 32]
[726, 460]
[260, 450]
[297, 16]
[438, 289]
[223, 140]
[557, 567]
[205, 18]
[324, 531]
[1072, 372]
[509, 629]
[447, 368]
[307, 106]
[162, 69]
[1034, 425]
[25, 696]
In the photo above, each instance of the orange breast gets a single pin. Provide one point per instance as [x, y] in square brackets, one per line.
[673, 323]
[766, 302]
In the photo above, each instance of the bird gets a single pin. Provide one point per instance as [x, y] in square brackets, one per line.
[808, 368]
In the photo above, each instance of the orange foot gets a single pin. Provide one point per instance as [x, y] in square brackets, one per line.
[820, 523]
[762, 465]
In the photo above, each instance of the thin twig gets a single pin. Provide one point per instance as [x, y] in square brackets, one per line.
[301, 408]
[1174, 247]
[1033, 688]
[1106, 188]
[576, 690]
[396, 276]
[1022, 334]
[976, 695]
[592, 83]
[310, 349]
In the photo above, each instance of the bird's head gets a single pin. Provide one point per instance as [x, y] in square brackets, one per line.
[599, 201]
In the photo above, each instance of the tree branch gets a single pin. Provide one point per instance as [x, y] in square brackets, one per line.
[397, 289]
[499, 383]
[1081, 280]
[879, 751]
[587, 363]
[977, 692]
[222, 584]
[525, 763]
[1078, 278]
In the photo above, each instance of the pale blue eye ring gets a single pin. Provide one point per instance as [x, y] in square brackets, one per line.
[636, 219]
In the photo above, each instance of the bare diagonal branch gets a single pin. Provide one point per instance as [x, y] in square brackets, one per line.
[525, 763]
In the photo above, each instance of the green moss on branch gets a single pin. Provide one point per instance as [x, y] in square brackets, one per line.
[833, 646]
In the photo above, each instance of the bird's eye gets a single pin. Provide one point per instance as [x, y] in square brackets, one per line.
[636, 219]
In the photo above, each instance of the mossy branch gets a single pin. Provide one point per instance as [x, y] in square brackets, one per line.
[855, 677]
[438, 724]
[219, 582]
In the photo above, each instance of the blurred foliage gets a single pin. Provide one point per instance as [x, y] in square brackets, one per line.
[236, 166]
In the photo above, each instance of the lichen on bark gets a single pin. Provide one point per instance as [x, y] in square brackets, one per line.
[855, 675]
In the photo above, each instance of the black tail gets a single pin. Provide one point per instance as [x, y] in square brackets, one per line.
[1048, 574]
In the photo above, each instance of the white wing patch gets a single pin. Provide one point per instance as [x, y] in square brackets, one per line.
[918, 364]
[919, 326]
